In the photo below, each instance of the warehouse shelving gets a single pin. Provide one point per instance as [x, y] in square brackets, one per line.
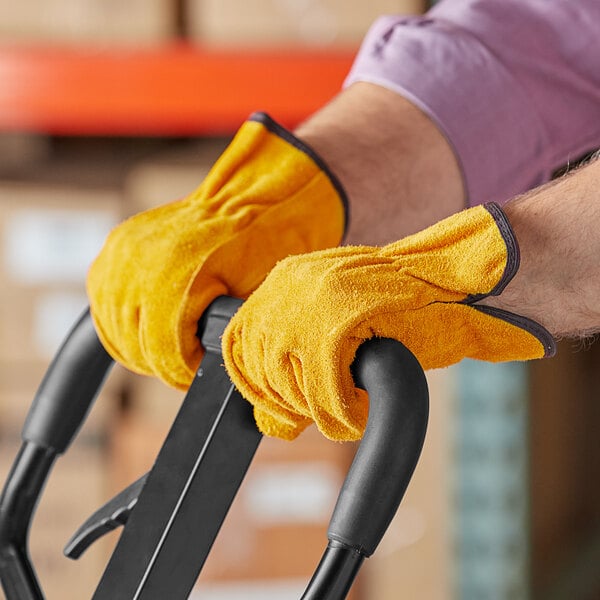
[172, 89]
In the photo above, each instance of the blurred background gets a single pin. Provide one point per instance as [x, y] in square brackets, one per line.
[108, 108]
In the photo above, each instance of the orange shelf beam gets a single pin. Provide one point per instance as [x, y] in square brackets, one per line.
[173, 90]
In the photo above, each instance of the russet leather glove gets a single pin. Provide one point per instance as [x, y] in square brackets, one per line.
[290, 346]
[267, 197]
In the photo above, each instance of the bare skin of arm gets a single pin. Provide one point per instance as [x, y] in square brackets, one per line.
[402, 176]
[558, 229]
[398, 170]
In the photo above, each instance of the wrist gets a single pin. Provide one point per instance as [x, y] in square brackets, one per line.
[527, 293]
[557, 283]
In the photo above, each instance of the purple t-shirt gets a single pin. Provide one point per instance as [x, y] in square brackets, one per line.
[514, 85]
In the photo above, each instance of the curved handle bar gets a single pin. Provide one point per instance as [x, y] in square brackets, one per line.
[59, 408]
[390, 448]
[369, 498]
[383, 464]
[68, 389]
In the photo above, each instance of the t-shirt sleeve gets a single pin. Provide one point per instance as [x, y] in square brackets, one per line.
[514, 85]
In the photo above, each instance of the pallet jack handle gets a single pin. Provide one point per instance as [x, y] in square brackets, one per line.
[59, 408]
[370, 496]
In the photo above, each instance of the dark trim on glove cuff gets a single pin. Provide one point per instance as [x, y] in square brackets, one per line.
[288, 136]
[513, 261]
[513, 254]
[532, 327]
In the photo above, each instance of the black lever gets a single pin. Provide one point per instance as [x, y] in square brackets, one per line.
[193, 482]
[111, 515]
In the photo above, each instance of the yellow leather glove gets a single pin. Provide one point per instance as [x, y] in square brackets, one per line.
[267, 197]
[289, 347]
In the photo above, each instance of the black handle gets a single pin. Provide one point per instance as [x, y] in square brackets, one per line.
[383, 464]
[373, 489]
[390, 448]
[68, 389]
[58, 410]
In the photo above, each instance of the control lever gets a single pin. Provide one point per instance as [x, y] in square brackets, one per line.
[106, 519]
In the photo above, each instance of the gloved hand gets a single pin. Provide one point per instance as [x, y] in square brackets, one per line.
[267, 197]
[290, 346]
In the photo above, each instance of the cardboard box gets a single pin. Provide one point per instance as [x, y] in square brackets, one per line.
[49, 235]
[277, 526]
[264, 23]
[170, 175]
[133, 446]
[35, 322]
[150, 400]
[69, 21]
[75, 489]
[268, 589]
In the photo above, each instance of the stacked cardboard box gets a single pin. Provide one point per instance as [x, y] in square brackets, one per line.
[260, 23]
[170, 174]
[48, 236]
[264, 23]
[76, 21]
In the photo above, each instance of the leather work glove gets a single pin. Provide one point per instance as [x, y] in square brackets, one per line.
[290, 346]
[267, 197]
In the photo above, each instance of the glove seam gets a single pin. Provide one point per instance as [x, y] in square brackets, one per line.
[533, 327]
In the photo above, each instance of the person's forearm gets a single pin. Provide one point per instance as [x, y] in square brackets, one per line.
[558, 230]
[514, 85]
[398, 170]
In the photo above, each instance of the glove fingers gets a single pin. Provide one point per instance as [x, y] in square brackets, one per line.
[279, 423]
[159, 270]
[298, 333]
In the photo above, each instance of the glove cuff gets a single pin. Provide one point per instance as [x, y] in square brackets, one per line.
[513, 254]
[274, 127]
[513, 261]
